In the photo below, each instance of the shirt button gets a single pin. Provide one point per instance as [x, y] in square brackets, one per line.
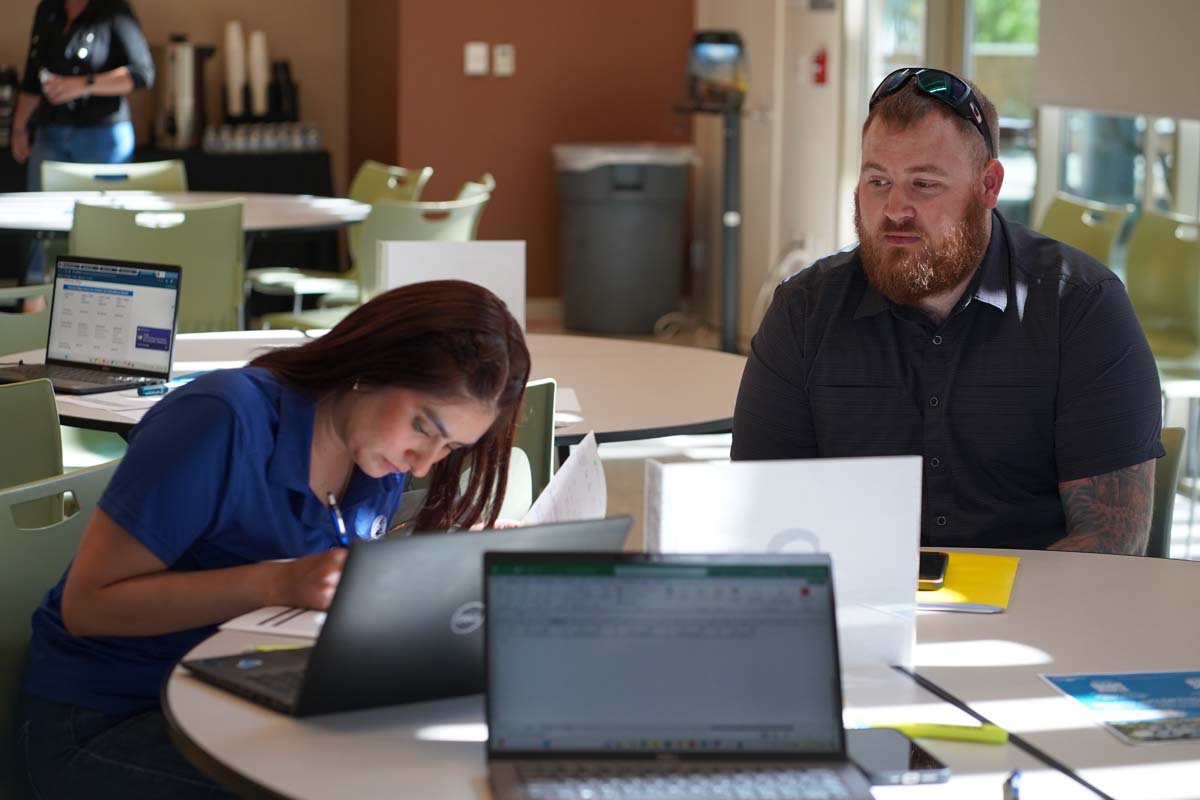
[933, 401]
[937, 339]
[935, 462]
[941, 521]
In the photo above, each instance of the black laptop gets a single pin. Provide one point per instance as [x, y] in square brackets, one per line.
[406, 623]
[112, 326]
[653, 676]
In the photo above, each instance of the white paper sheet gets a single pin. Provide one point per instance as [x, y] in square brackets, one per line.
[279, 621]
[577, 491]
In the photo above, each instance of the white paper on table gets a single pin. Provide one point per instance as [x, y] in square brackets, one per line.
[577, 491]
[566, 407]
[279, 621]
[127, 404]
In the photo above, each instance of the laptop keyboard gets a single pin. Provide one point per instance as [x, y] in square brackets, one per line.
[95, 375]
[601, 782]
[286, 682]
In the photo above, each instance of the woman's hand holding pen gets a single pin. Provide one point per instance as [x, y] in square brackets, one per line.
[310, 582]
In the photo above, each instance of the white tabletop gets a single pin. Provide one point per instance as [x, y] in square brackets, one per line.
[1075, 613]
[51, 212]
[435, 749]
[626, 389]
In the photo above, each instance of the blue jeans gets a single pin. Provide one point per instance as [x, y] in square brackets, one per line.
[87, 144]
[70, 752]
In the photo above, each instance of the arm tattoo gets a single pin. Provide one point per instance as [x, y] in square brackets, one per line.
[1109, 513]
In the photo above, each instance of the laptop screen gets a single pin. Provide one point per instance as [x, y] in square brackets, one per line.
[113, 314]
[640, 654]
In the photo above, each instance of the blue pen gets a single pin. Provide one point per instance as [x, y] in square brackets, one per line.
[1012, 786]
[151, 389]
[339, 524]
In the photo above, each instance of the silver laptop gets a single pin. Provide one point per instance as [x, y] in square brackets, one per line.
[112, 326]
[406, 623]
[650, 676]
[864, 512]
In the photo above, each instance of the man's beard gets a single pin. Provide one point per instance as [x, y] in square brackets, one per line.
[906, 276]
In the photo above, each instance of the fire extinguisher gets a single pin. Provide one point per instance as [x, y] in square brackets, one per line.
[820, 67]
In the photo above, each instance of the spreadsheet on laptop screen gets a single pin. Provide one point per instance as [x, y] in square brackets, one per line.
[667, 658]
[112, 315]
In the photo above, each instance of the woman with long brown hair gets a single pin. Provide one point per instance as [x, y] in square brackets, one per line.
[239, 491]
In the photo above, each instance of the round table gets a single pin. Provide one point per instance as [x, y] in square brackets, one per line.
[626, 389]
[52, 212]
[1075, 613]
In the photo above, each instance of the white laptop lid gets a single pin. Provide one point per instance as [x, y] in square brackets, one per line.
[497, 266]
[864, 512]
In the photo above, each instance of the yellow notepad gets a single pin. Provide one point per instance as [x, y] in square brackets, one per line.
[974, 582]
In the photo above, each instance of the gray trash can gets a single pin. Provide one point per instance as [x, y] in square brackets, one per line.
[622, 233]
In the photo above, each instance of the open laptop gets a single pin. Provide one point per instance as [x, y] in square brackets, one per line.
[405, 624]
[112, 326]
[864, 512]
[645, 676]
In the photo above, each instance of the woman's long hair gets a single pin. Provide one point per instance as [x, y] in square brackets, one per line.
[451, 339]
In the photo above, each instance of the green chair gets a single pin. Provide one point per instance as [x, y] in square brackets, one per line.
[1162, 275]
[1085, 225]
[373, 181]
[29, 438]
[450, 221]
[147, 176]
[20, 331]
[205, 239]
[33, 559]
[1166, 486]
[535, 432]
[485, 185]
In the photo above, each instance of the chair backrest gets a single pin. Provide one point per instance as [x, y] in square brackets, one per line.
[376, 181]
[149, 176]
[535, 431]
[30, 443]
[1085, 225]
[389, 220]
[32, 561]
[205, 239]
[1166, 483]
[20, 331]
[1162, 274]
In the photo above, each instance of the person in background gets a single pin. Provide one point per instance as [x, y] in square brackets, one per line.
[1011, 363]
[85, 57]
[229, 498]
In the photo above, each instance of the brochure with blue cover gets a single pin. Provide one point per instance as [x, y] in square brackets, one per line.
[1139, 707]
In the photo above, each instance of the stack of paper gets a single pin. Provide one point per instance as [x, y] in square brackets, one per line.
[974, 582]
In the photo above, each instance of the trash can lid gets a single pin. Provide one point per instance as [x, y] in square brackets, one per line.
[584, 156]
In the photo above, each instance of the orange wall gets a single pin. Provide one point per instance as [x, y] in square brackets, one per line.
[609, 70]
[374, 78]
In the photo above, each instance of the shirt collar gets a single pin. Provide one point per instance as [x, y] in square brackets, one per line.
[989, 285]
[290, 461]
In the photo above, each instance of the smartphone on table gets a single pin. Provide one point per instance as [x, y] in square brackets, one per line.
[931, 570]
[888, 757]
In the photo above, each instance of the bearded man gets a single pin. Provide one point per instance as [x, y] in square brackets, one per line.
[1010, 362]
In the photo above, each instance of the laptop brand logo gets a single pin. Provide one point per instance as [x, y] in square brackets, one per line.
[789, 538]
[467, 618]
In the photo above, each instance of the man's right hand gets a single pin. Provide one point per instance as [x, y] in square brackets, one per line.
[310, 582]
[20, 145]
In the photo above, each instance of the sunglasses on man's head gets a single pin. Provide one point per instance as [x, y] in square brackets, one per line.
[950, 89]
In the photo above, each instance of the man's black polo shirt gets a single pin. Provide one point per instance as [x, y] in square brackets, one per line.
[1041, 374]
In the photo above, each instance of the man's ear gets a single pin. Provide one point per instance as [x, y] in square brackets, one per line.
[993, 179]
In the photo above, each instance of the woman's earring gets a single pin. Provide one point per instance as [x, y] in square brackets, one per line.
[354, 388]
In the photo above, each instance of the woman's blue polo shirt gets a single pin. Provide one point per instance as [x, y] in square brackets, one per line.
[216, 475]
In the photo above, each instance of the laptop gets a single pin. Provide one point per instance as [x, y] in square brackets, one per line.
[112, 326]
[864, 512]
[644, 676]
[405, 624]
